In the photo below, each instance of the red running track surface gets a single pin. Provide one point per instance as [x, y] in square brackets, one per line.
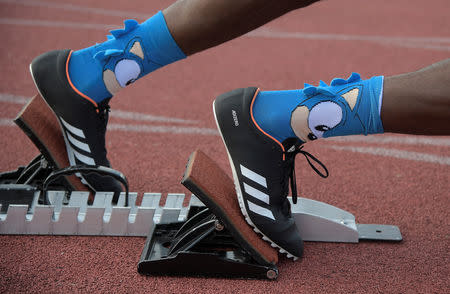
[392, 179]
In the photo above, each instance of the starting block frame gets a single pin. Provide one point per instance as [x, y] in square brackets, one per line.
[316, 221]
[45, 198]
[29, 209]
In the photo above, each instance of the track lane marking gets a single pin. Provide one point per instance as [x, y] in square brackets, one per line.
[387, 152]
[16, 99]
[395, 153]
[431, 43]
[135, 116]
[56, 24]
[386, 139]
[162, 129]
[73, 7]
[116, 113]
[436, 43]
[8, 122]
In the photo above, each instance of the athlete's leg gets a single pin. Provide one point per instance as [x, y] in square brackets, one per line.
[197, 25]
[418, 102]
[184, 28]
[415, 103]
[77, 85]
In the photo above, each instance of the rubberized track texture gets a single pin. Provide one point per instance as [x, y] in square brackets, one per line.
[157, 122]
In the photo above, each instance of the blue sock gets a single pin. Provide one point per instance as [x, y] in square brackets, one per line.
[130, 53]
[345, 107]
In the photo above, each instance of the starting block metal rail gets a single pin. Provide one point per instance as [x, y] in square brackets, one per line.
[27, 209]
[317, 221]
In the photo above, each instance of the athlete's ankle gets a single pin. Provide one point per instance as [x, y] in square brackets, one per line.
[130, 53]
[345, 107]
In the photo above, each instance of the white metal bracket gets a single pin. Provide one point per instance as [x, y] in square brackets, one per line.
[316, 221]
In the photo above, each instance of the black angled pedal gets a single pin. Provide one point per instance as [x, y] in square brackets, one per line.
[214, 241]
[50, 170]
[200, 246]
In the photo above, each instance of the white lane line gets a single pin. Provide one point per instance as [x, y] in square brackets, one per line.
[409, 155]
[273, 33]
[8, 122]
[56, 24]
[420, 45]
[116, 113]
[162, 129]
[432, 43]
[148, 117]
[72, 7]
[9, 98]
[386, 139]
[135, 116]
[401, 154]
[262, 32]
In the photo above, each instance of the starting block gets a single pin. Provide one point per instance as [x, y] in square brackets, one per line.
[40, 124]
[209, 237]
[50, 170]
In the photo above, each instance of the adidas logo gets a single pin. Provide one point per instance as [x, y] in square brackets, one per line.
[292, 149]
[78, 151]
[235, 118]
[256, 193]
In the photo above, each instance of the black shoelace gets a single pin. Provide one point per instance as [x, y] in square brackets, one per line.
[104, 109]
[290, 159]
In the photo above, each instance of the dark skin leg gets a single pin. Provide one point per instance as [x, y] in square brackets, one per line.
[197, 25]
[418, 102]
[413, 103]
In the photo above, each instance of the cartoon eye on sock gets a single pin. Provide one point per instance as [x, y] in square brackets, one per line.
[127, 71]
[323, 113]
[323, 117]
[123, 66]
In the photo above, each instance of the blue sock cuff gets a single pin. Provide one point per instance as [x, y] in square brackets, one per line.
[363, 117]
[376, 125]
[345, 107]
[147, 46]
[159, 43]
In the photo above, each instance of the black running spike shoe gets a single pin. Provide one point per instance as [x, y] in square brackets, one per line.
[262, 168]
[83, 121]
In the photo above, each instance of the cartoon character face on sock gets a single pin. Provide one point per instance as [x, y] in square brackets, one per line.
[124, 66]
[325, 114]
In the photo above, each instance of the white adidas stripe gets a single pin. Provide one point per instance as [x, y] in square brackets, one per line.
[78, 144]
[256, 193]
[83, 158]
[260, 210]
[69, 129]
[72, 129]
[249, 190]
[253, 176]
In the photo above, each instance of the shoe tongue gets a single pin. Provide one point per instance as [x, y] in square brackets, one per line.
[103, 108]
[104, 103]
[286, 208]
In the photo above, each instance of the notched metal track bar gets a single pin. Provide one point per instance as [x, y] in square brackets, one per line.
[316, 221]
